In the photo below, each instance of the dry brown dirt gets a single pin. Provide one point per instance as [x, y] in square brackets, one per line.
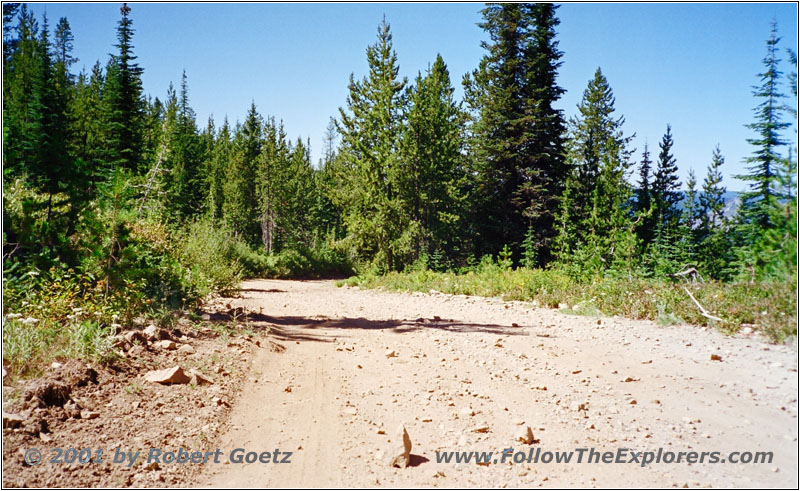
[335, 399]
[305, 370]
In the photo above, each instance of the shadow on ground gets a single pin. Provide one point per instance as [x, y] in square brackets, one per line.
[299, 328]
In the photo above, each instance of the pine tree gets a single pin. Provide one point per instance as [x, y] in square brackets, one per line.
[273, 173]
[326, 215]
[88, 129]
[10, 10]
[517, 132]
[47, 144]
[775, 249]
[768, 125]
[715, 245]
[665, 255]
[22, 73]
[240, 209]
[431, 153]
[125, 104]
[757, 211]
[377, 222]
[188, 187]
[596, 194]
[644, 201]
[666, 187]
[687, 232]
[218, 172]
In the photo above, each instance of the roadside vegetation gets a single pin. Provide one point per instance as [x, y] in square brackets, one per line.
[768, 307]
[118, 207]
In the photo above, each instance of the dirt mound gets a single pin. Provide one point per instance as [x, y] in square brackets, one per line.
[46, 393]
[79, 406]
[76, 374]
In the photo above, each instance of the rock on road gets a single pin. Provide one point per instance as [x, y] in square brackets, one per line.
[471, 374]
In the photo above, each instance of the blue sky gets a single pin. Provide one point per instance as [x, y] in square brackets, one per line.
[690, 65]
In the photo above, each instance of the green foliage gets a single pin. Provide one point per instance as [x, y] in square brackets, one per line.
[517, 134]
[433, 184]
[116, 205]
[529, 250]
[595, 230]
[369, 170]
[714, 248]
[212, 254]
[666, 190]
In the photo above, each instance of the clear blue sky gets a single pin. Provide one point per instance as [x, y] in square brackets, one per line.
[690, 65]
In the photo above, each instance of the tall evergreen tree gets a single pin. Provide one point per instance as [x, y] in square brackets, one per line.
[715, 245]
[595, 137]
[644, 200]
[666, 186]
[125, 104]
[21, 89]
[377, 223]
[327, 216]
[431, 152]
[50, 165]
[688, 230]
[10, 41]
[593, 222]
[187, 187]
[665, 255]
[88, 130]
[240, 209]
[768, 126]
[218, 172]
[518, 133]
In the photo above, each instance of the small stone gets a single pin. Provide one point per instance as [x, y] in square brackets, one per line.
[580, 406]
[135, 337]
[390, 354]
[174, 375]
[525, 436]
[86, 414]
[715, 357]
[11, 420]
[481, 428]
[197, 377]
[186, 349]
[466, 412]
[150, 332]
[72, 409]
[166, 345]
[400, 454]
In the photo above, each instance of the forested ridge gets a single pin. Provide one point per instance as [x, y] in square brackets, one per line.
[119, 204]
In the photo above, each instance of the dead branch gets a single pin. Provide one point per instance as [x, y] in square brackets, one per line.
[689, 272]
[703, 311]
[152, 179]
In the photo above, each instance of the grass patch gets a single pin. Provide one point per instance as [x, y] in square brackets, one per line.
[770, 306]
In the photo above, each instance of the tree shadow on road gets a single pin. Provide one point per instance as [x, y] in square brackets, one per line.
[299, 328]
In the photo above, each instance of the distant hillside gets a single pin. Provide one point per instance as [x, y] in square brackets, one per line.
[732, 202]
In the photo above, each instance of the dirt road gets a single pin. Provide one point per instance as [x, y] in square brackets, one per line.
[335, 399]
